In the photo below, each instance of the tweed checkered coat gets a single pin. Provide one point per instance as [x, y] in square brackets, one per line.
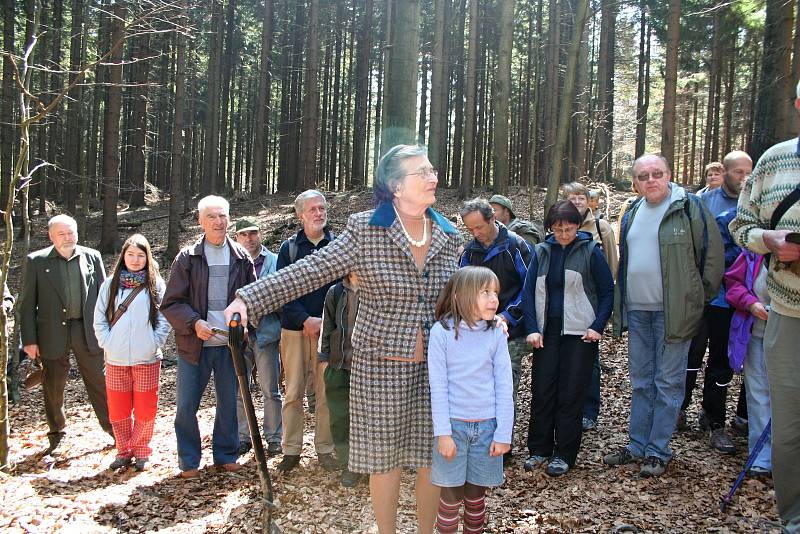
[390, 400]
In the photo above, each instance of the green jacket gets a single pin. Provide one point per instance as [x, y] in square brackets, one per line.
[42, 311]
[692, 265]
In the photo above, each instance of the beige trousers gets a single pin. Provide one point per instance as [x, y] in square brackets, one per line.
[299, 362]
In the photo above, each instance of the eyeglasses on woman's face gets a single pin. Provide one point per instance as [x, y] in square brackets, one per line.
[424, 172]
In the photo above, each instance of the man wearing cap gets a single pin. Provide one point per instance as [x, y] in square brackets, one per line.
[504, 212]
[263, 350]
[767, 220]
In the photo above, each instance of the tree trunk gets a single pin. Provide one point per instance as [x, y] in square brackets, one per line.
[137, 122]
[208, 179]
[437, 138]
[308, 143]
[559, 152]
[400, 82]
[258, 182]
[468, 163]
[643, 81]
[7, 109]
[670, 82]
[358, 173]
[602, 160]
[108, 236]
[774, 84]
[502, 95]
[225, 82]
[176, 176]
[457, 59]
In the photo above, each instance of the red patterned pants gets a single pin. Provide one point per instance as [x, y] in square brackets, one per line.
[133, 390]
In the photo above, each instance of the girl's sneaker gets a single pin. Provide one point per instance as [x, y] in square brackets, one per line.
[533, 462]
[120, 462]
[556, 467]
[141, 464]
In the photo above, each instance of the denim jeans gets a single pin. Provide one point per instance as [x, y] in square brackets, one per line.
[591, 406]
[658, 375]
[268, 368]
[191, 383]
[758, 406]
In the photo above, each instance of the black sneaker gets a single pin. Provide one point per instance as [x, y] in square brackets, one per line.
[244, 447]
[619, 457]
[274, 449]
[120, 462]
[288, 462]
[328, 462]
[349, 479]
[141, 464]
[653, 466]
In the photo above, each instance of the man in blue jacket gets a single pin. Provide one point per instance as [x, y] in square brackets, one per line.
[508, 256]
[300, 329]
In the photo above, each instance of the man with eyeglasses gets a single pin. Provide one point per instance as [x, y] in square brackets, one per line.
[671, 264]
[716, 321]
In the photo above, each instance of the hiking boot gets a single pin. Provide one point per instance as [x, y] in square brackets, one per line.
[740, 426]
[349, 479]
[228, 468]
[533, 462]
[141, 464]
[288, 462]
[722, 442]
[120, 462]
[681, 425]
[274, 449]
[653, 466]
[557, 466]
[588, 424]
[244, 447]
[189, 474]
[328, 462]
[619, 457]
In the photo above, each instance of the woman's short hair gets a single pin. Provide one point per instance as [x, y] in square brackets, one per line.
[213, 201]
[300, 201]
[562, 211]
[390, 171]
[481, 205]
[714, 165]
[574, 188]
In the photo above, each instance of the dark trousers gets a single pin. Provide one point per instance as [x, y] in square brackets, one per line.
[560, 376]
[591, 406]
[718, 372]
[56, 372]
[337, 391]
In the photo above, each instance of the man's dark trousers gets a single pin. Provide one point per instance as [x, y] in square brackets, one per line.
[56, 372]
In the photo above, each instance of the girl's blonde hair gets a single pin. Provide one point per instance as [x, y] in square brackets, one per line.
[459, 298]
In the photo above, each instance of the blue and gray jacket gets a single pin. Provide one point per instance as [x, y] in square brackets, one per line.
[509, 257]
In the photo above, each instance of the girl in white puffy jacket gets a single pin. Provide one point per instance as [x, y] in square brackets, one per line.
[131, 334]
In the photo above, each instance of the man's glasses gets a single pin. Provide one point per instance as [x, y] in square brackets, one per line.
[655, 175]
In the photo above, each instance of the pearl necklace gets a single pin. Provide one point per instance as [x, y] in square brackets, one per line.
[414, 242]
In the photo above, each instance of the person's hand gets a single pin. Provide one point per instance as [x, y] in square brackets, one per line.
[236, 306]
[312, 326]
[758, 310]
[499, 449]
[785, 251]
[31, 351]
[322, 366]
[203, 330]
[500, 322]
[535, 340]
[591, 336]
[446, 447]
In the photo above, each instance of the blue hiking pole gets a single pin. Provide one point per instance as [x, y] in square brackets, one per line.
[762, 439]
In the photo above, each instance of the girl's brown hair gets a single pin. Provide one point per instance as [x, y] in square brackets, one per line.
[459, 298]
[150, 281]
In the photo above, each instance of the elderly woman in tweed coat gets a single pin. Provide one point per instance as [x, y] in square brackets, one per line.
[403, 252]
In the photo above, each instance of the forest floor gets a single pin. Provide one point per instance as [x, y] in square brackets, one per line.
[75, 492]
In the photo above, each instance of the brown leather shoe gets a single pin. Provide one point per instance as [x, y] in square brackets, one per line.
[230, 468]
[189, 473]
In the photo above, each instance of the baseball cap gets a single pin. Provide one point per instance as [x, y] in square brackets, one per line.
[503, 201]
[246, 224]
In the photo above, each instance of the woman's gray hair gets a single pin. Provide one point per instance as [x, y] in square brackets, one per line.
[390, 171]
[300, 201]
[480, 205]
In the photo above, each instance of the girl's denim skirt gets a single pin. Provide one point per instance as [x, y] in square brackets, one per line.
[472, 462]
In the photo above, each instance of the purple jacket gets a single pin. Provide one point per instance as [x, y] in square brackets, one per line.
[739, 281]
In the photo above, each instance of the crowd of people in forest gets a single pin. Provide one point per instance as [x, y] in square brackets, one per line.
[407, 343]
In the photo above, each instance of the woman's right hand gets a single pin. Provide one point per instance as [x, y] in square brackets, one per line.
[535, 340]
[757, 309]
[446, 447]
[237, 305]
